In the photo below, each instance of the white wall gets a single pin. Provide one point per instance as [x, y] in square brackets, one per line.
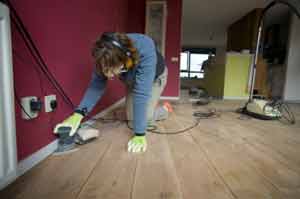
[194, 35]
[205, 23]
[292, 86]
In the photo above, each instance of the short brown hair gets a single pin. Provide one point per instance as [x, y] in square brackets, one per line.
[107, 55]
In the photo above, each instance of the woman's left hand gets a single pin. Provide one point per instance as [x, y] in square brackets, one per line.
[137, 144]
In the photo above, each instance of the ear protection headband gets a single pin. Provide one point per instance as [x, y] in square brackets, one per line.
[111, 38]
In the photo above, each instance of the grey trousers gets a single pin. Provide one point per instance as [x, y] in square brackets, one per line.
[157, 88]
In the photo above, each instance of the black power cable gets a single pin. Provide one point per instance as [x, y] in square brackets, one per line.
[175, 132]
[36, 54]
[22, 59]
[285, 111]
[198, 115]
[48, 74]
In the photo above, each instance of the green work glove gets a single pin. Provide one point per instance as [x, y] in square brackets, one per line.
[73, 122]
[137, 144]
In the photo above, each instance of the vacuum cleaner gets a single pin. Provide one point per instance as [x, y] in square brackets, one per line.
[260, 108]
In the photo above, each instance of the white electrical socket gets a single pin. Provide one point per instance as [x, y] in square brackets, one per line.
[27, 114]
[48, 100]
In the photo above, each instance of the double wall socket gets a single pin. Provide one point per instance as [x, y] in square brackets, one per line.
[31, 106]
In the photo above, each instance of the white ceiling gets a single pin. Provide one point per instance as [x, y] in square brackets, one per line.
[205, 21]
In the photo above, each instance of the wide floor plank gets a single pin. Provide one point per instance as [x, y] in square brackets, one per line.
[113, 177]
[156, 175]
[197, 177]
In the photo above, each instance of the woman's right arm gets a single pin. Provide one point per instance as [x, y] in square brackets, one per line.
[92, 94]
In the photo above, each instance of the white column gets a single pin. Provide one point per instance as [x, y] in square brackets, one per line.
[8, 154]
[292, 84]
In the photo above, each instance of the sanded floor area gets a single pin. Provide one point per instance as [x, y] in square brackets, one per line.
[224, 157]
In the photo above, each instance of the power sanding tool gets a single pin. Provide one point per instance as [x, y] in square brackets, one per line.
[68, 144]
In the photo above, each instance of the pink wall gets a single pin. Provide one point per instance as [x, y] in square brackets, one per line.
[136, 15]
[173, 46]
[64, 33]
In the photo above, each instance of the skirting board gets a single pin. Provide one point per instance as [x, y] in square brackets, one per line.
[109, 109]
[28, 163]
[292, 101]
[106, 111]
[235, 98]
[36, 158]
[169, 98]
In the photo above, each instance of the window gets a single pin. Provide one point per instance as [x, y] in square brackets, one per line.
[184, 61]
[191, 62]
[197, 61]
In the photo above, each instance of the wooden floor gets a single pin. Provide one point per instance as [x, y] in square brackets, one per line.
[224, 158]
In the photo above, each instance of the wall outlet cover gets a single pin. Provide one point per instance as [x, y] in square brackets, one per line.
[27, 113]
[48, 100]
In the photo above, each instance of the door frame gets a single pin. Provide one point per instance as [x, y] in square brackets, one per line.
[156, 27]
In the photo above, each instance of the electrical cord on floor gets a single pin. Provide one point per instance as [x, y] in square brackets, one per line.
[197, 122]
[286, 113]
[198, 115]
[211, 113]
[214, 113]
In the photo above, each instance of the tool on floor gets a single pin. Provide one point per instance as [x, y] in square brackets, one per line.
[67, 143]
[262, 109]
[85, 135]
